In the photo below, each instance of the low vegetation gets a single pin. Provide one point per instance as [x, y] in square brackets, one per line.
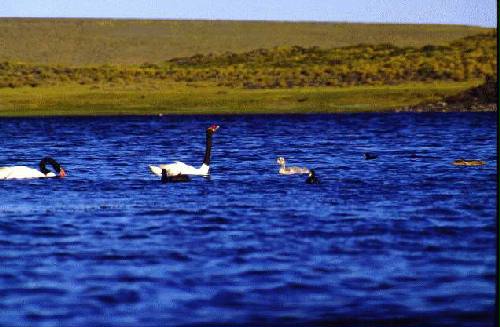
[466, 59]
[384, 64]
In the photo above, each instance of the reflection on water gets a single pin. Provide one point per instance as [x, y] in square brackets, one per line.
[404, 240]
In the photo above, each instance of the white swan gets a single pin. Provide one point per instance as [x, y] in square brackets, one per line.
[23, 172]
[180, 168]
[290, 170]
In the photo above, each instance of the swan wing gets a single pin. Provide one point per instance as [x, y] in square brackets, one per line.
[20, 172]
[172, 170]
[179, 167]
[293, 170]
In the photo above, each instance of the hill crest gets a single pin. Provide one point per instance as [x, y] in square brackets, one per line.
[71, 41]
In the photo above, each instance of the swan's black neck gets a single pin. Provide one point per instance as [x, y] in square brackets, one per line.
[208, 148]
[52, 162]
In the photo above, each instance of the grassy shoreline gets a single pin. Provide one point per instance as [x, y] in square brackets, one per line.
[377, 77]
[188, 99]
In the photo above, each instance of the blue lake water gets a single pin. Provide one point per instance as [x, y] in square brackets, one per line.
[407, 239]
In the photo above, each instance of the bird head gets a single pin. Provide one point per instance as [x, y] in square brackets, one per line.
[213, 128]
[55, 165]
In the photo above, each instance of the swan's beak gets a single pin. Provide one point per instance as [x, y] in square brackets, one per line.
[62, 173]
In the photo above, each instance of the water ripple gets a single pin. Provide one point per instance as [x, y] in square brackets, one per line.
[407, 239]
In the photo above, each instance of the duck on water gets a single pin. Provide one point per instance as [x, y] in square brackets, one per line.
[463, 162]
[180, 168]
[284, 170]
[24, 172]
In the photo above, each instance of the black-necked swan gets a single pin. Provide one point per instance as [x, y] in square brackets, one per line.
[180, 168]
[23, 172]
[312, 179]
[173, 179]
[290, 170]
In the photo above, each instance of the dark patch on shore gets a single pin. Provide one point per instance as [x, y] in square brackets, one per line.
[482, 98]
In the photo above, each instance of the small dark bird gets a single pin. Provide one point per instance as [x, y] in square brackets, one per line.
[311, 178]
[370, 156]
[173, 179]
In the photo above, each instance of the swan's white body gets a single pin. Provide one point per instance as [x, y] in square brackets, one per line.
[22, 172]
[180, 168]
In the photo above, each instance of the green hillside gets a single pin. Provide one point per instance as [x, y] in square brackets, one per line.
[105, 41]
[465, 59]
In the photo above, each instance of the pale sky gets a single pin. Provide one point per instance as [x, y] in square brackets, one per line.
[468, 12]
